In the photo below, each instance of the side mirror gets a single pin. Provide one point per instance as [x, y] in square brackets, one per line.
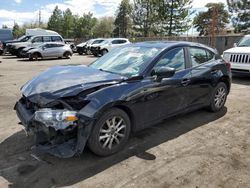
[43, 47]
[163, 72]
[235, 44]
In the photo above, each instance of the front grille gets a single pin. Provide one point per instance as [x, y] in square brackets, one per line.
[240, 58]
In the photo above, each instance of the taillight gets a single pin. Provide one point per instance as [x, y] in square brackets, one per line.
[228, 65]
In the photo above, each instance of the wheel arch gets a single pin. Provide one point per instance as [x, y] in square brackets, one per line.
[39, 54]
[67, 52]
[130, 114]
[226, 80]
[97, 112]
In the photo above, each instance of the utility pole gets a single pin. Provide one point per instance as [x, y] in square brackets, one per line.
[39, 18]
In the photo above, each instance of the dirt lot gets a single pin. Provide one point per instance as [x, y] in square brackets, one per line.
[200, 149]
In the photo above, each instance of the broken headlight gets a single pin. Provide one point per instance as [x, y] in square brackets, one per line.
[58, 119]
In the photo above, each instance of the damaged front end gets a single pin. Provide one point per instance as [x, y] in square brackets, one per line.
[57, 127]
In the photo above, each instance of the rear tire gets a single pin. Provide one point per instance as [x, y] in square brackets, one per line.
[219, 97]
[110, 132]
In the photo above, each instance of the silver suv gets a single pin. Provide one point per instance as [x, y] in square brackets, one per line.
[34, 42]
[48, 50]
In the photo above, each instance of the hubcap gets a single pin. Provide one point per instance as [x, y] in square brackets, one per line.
[220, 97]
[112, 132]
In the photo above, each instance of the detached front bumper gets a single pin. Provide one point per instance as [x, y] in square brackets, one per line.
[95, 50]
[24, 54]
[60, 143]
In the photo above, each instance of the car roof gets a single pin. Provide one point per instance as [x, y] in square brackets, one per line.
[53, 43]
[118, 39]
[45, 36]
[169, 44]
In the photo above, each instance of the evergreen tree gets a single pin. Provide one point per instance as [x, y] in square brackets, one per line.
[143, 15]
[174, 16]
[123, 19]
[104, 27]
[17, 31]
[241, 13]
[67, 23]
[205, 20]
[55, 21]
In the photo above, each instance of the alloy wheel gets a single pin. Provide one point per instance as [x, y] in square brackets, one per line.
[220, 97]
[112, 132]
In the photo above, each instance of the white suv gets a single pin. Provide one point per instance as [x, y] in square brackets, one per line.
[108, 45]
[239, 56]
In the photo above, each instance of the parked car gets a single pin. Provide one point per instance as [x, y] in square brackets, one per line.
[50, 49]
[6, 34]
[239, 56]
[130, 88]
[93, 44]
[34, 41]
[7, 44]
[1, 48]
[107, 45]
[81, 48]
[84, 47]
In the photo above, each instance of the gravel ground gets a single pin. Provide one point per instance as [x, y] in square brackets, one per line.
[199, 149]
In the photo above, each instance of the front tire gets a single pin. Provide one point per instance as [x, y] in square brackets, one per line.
[110, 133]
[67, 55]
[19, 51]
[104, 52]
[219, 97]
[34, 56]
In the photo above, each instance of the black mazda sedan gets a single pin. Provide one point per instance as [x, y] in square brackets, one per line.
[128, 89]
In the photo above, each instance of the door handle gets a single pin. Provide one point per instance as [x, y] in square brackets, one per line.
[185, 81]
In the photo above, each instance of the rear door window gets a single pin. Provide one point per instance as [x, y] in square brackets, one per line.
[56, 38]
[37, 39]
[200, 56]
[122, 41]
[116, 42]
[46, 39]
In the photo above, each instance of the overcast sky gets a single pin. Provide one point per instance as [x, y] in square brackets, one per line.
[23, 11]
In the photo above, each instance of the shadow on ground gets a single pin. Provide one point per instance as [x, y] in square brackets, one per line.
[22, 170]
[44, 59]
[242, 80]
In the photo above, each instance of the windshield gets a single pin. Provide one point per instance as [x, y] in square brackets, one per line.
[128, 61]
[24, 38]
[245, 41]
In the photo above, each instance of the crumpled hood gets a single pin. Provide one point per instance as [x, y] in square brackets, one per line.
[81, 44]
[64, 81]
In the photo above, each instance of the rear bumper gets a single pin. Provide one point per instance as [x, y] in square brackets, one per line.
[60, 143]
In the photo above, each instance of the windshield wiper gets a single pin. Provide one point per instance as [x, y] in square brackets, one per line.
[107, 71]
[111, 72]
